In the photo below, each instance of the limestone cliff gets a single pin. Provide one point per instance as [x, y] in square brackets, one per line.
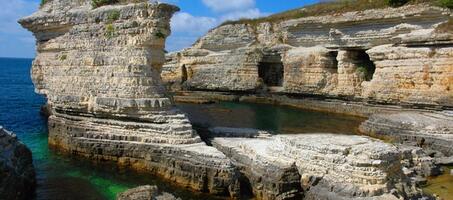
[387, 55]
[100, 71]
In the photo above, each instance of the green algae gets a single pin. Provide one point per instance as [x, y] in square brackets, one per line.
[442, 185]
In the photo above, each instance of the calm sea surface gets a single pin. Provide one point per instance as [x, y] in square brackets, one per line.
[65, 177]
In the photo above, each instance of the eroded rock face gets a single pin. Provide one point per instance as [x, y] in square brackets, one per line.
[428, 130]
[322, 166]
[145, 192]
[17, 174]
[100, 71]
[391, 56]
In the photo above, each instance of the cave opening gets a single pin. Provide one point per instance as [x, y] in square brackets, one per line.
[183, 74]
[364, 64]
[334, 61]
[270, 70]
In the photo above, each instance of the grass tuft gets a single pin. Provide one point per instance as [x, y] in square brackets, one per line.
[99, 3]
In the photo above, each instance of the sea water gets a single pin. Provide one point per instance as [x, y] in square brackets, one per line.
[66, 177]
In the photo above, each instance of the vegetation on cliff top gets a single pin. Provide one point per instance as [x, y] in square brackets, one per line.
[99, 3]
[338, 6]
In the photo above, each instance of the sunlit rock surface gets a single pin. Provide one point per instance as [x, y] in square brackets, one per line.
[386, 56]
[321, 166]
[428, 130]
[146, 192]
[100, 71]
[17, 174]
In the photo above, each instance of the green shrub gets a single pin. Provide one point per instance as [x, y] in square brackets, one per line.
[396, 3]
[63, 57]
[113, 16]
[99, 3]
[43, 2]
[367, 71]
[159, 34]
[109, 31]
[446, 3]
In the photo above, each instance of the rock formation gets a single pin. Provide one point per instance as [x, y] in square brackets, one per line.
[321, 166]
[17, 174]
[386, 56]
[428, 130]
[100, 71]
[145, 192]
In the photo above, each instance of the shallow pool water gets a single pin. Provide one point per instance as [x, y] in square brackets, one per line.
[278, 119]
[441, 185]
[66, 177]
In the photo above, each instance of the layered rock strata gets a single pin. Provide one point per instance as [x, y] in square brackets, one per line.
[321, 166]
[146, 192]
[428, 130]
[100, 71]
[386, 56]
[17, 174]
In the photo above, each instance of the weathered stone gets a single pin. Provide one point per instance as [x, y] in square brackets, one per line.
[238, 132]
[416, 160]
[387, 56]
[100, 71]
[145, 192]
[326, 166]
[427, 130]
[444, 160]
[17, 174]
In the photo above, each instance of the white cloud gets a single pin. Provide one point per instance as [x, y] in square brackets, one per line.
[12, 11]
[229, 5]
[187, 23]
[16, 41]
[250, 14]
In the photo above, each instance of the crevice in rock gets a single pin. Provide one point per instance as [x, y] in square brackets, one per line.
[183, 74]
[364, 64]
[270, 70]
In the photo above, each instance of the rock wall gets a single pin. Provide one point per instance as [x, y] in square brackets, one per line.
[100, 71]
[391, 56]
[321, 166]
[17, 174]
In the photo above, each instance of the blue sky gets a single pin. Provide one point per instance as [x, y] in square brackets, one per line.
[195, 19]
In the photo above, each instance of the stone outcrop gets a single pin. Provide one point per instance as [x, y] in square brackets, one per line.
[17, 174]
[428, 130]
[146, 192]
[321, 166]
[386, 56]
[100, 71]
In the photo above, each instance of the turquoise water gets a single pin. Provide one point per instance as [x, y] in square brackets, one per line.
[61, 177]
[65, 177]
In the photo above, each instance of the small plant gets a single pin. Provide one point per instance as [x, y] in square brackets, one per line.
[396, 3]
[109, 31]
[446, 3]
[159, 34]
[367, 71]
[113, 16]
[63, 57]
[99, 3]
[43, 2]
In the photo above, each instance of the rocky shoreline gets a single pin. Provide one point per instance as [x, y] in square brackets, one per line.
[100, 70]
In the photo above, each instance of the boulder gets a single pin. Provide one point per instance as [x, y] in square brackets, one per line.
[145, 192]
[17, 174]
[430, 130]
[321, 166]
